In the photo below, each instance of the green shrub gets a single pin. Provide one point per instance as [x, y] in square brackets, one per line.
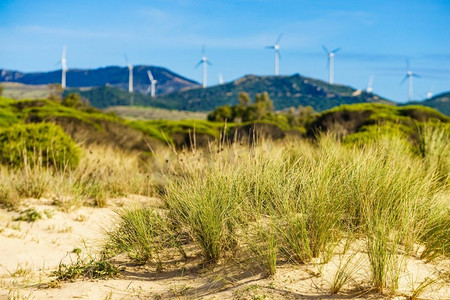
[29, 215]
[84, 268]
[37, 144]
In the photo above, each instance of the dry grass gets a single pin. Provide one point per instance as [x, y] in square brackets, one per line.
[150, 113]
[279, 202]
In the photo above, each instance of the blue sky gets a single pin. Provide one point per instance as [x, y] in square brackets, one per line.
[375, 36]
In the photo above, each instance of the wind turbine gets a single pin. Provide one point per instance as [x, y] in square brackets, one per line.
[130, 74]
[330, 55]
[153, 82]
[430, 93]
[409, 75]
[276, 48]
[63, 67]
[220, 79]
[204, 60]
[369, 85]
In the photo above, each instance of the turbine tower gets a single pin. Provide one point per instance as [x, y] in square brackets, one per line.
[430, 94]
[63, 67]
[330, 55]
[204, 60]
[409, 76]
[220, 79]
[369, 85]
[276, 48]
[130, 75]
[152, 86]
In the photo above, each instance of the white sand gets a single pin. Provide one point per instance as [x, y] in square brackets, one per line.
[28, 254]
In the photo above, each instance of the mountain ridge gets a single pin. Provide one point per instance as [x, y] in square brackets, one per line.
[285, 92]
[168, 81]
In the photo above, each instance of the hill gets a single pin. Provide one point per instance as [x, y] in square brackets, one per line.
[18, 90]
[115, 76]
[439, 102]
[285, 91]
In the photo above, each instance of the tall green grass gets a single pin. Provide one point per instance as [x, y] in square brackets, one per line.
[316, 195]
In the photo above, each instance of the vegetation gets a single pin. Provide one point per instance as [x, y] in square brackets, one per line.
[151, 113]
[25, 144]
[373, 176]
[84, 267]
[108, 76]
[262, 111]
[285, 91]
[29, 215]
[439, 102]
[296, 202]
[142, 234]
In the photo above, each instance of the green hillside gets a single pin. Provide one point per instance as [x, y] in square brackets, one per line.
[440, 102]
[285, 91]
[87, 125]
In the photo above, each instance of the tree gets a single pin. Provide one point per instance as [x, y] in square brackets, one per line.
[244, 99]
[263, 105]
[222, 114]
[306, 114]
[291, 118]
[72, 100]
[1, 90]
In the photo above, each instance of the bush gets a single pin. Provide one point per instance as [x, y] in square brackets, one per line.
[72, 100]
[44, 144]
[222, 114]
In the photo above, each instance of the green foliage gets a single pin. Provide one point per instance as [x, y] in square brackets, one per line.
[72, 100]
[29, 215]
[31, 144]
[222, 114]
[244, 99]
[285, 92]
[163, 130]
[439, 102]
[248, 112]
[85, 268]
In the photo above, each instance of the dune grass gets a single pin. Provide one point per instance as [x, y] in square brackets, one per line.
[291, 201]
[316, 195]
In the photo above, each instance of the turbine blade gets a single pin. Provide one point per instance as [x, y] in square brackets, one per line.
[209, 63]
[407, 64]
[199, 63]
[278, 39]
[126, 58]
[404, 79]
[150, 76]
[203, 50]
[148, 89]
[336, 50]
[325, 49]
[416, 75]
[64, 52]
[270, 47]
